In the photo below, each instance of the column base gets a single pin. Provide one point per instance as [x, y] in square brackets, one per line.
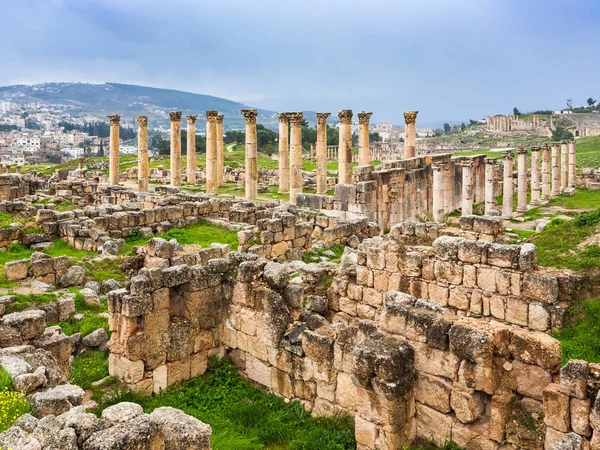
[522, 210]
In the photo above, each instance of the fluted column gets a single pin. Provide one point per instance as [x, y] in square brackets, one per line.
[507, 188]
[191, 149]
[410, 117]
[522, 180]
[489, 185]
[535, 176]
[572, 163]
[364, 155]
[113, 163]
[555, 169]
[345, 147]
[251, 150]
[295, 156]
[438, 192]
[545, 173]
[564, 165]
[467, 189]
[220, 150]
[211, 151]
[284, 159]
[175, 148]
[322, 152]
[143, 153]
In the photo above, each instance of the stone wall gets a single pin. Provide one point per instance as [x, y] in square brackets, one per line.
[13, 186]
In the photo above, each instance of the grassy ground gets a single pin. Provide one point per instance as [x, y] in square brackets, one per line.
[246, 418]
[203, 233]
[92, 317]
[583, 199]
[426, 445]
[581, 339]
[12, 404]
[338, 251]
[557, 244]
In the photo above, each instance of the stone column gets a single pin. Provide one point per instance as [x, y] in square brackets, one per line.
[555, 169]
[535, 176]
[175, 148]
[211, 151]
[18, 168]
[322, 152]
[220, 150]
[489, 185]
[295, 156]
[564, 165]
[113, 163]
[79, 163]
[142, 153]
[546, 172]
[572, 163]
[507, 188]
[522, 180]
[364, 153]
[438, 192]
[467, 189]
[284, 160]
[251, 150]
[410, 117]
[345, 147]
[191, 149]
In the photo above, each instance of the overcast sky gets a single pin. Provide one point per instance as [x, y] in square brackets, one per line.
[449, 59]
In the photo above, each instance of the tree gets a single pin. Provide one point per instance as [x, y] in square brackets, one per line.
[561, 133]
[333, 136]
[463, 126]
[569, 103]
[473, 122]
[375, 137]
[439, 132]
[516, 112]
[591, 101]
[447, 128]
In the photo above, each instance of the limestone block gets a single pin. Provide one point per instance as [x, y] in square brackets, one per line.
[580, 416]
[433, 425]
[470, 252]
[459, 297]
[486, 279]
[556, 408]
[517, 311]
[124, 369]
[501, 255]
[178, 371]
[538, 317]
[30, 324]
[16, 270]
[574, 377]
[530, 380]
[366, 433]
[570, 441]
[433, 392]
[160, 380]
[470, 343]
[534, 347]
[469, 276]
[435, 362]
[501, 406]
[258, 371]
[468, 404]
[483, 376]
[448, 272]
[345, 394]
[540, 288]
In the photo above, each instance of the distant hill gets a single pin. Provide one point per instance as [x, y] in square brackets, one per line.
[131, 100]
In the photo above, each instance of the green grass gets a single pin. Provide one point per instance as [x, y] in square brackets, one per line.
[581, 338]
[588, 151]
[12, 406]
[243, 417]
[582, 199]
[557, 243]
[92, 319]
[427, 445]
[89, 367]
[64, 205]
[13, 253]
[61, 248]
[315, 256]
[5, 380]
[6, 219]
[104, 269]
[203, 233]
[24, 301]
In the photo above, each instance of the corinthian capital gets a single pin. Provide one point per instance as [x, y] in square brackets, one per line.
[249, 115]
[522, 151]
[220, 118]
[535, 149]
[175, 116]
[115, 119]
[345, 116]
[364, 117]
[295, 118]
[142, 121]
[191, 120]
[508, 155]
[283, 117]
[410, 117]
[211, 115]
[322, 118]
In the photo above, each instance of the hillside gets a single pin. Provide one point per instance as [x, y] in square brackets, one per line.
[129, 100]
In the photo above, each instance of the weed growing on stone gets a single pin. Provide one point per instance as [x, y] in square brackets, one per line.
[88, 368]
[246, 418]
[24, 301]
[581, 338]
[428, 445]
[5, 380]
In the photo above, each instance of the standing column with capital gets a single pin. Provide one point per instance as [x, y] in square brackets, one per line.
[572, 163]
[191, 149]
[345, 147]
[113, 157]
[175, 148]
[438, 192]
[410, 117]
[467, 189]
[322, 152]
[507, 187]
[489, 185]
[143, 153]
[535, 176]
[251, 150]
[284, 157]
[211, 151]
[364, 153]
[555, 169]
[295, 155]
[545, 172]
[564, 165]
[220, 150]
[522, 180]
